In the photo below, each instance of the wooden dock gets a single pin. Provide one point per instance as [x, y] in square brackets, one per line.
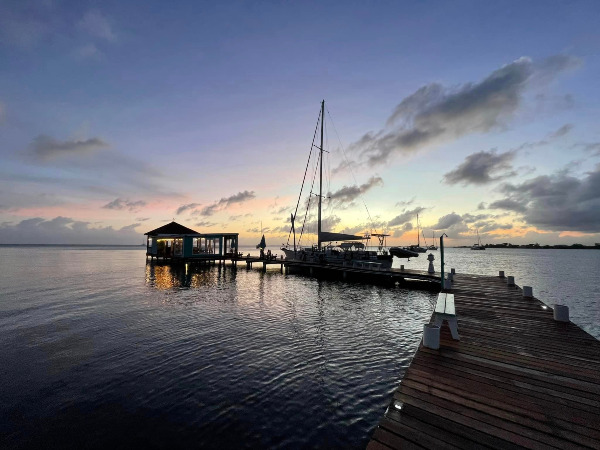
[516, 379]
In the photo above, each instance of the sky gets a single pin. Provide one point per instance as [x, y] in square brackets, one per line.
[119, 117]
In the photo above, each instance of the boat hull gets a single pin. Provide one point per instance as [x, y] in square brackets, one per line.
[400, 252]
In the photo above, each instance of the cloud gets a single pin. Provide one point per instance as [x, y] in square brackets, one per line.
[45, 147]
[470, 218]
[206, 224]
[226, 202]
[120, 204]
[88, 51]
[558, 202]
[589, 147]
[347, 194]
[63, 230]
[482, 168]
[97, 25]
[405, 203]
[434, 114]
[481, 206]
[562, 131]
[447, 221]
[187, 207]
[406, 216]
[509, 205]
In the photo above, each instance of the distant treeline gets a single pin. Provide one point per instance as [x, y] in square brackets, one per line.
[596, 246]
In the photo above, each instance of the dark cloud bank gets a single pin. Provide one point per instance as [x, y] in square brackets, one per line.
[63, 230]
[559, 202]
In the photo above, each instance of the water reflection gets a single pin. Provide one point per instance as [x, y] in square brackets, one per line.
[165, 276]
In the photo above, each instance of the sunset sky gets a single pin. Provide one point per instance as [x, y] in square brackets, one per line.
[117, 117]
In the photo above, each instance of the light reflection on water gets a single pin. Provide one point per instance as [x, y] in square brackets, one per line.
[151, 354]
[100, 348]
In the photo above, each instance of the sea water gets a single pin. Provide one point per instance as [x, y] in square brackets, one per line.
[100, 349]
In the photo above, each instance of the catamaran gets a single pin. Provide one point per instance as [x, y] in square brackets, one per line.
[334, 248]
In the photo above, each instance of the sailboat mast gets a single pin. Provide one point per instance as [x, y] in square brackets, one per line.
[418, 237]
[320, 175]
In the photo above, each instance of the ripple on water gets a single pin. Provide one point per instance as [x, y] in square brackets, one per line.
[145, 354]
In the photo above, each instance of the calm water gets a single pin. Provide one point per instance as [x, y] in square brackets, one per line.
[99, 349]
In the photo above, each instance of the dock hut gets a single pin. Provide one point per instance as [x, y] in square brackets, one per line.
[177, 242]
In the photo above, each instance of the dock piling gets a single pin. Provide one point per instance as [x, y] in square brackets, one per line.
[561, 313]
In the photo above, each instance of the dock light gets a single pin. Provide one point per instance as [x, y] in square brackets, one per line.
[398, 405]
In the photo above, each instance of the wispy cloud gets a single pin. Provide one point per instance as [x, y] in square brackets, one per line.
[120, 204]
[562, 131]
[97, 25]
[187, 207]
[206, 224]
[226, 202]
[434, 113]
[45, 147]
[406, 216]
[348, 194]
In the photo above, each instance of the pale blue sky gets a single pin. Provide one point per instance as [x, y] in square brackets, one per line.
[113, 115]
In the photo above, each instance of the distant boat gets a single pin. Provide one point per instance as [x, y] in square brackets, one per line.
[262, 244]
[478, 246]
[432, 246]
[417, 248]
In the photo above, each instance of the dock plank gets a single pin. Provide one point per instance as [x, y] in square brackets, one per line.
[515, 379]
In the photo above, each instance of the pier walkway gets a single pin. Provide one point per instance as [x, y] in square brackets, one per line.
[516, 379]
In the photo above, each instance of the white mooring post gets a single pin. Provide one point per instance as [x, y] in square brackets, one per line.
[561, 313]
[527, 291]
[501, 274]
[431, 336]
[430, 258]
[510, 280]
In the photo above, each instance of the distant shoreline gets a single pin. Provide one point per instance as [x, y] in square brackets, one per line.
[539, 247]
[73, 245]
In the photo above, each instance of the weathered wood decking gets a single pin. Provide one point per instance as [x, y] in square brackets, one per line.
[515, 379]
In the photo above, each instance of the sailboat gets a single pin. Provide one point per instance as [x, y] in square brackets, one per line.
[478, 246]
[432, 246]
[417, 248]
[350, 248]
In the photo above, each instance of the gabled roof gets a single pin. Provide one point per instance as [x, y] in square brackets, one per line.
[171, 228]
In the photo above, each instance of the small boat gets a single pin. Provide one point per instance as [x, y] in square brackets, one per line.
[478, 246]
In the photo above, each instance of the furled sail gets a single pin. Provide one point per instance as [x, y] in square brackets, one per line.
[326, 236]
